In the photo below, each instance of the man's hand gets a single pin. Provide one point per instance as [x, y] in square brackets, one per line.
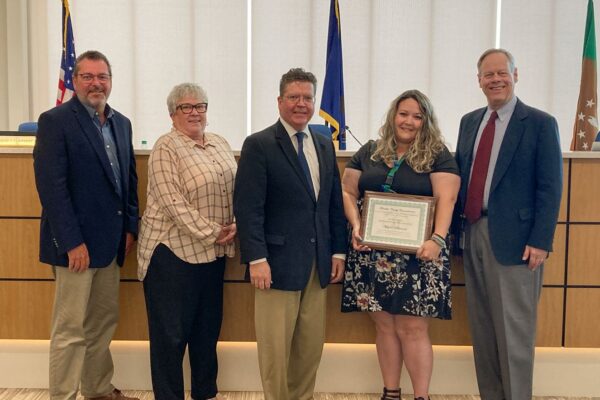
[337, 269]
[129, 241]
[227, 234]
[535, 256]
[260, 275]
[79, 258]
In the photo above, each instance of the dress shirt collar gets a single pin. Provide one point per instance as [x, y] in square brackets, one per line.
[505, 111]
[108, 112]
[291, 131]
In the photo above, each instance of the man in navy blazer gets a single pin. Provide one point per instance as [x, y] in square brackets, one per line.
[509, 201]
[87, 183]
[292, 230]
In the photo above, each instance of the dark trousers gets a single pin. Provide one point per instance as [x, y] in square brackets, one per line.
[185, 307]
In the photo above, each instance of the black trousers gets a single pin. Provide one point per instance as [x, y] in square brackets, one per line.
[185, 308]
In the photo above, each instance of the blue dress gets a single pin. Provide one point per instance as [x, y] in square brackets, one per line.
[392, 281]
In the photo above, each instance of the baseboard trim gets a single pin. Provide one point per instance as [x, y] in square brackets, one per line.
[348, 368]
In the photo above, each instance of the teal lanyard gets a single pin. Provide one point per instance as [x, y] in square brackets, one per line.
[387, 186]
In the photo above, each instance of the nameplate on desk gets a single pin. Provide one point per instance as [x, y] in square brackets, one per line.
[16, 139]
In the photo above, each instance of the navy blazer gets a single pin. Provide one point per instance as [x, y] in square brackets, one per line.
[526, 184]
[277, 215]
[77, 189]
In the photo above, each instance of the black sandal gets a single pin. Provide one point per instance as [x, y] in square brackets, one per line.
[390, 394]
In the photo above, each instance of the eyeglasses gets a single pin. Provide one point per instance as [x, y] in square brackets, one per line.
[294, 98]
[87, 78]
[187, 108]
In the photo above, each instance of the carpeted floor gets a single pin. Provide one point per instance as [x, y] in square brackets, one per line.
[40, 394]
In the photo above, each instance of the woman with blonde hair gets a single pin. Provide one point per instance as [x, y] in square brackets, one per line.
[401, 292]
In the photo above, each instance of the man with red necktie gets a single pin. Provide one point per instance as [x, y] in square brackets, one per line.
[511, 182]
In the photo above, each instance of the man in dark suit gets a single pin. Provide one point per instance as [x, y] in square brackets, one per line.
[292, 230]
[511, 179]
[87, 184]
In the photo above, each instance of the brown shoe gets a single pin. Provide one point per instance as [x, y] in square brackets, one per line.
[115, 395]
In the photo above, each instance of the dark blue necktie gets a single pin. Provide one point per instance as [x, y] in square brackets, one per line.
[302, 159]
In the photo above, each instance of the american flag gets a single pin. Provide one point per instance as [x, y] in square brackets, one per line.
[67, 60]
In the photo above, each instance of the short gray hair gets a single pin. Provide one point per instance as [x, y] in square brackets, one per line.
[511, 59]
[183, 90]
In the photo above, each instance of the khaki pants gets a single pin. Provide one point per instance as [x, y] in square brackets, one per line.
[290, 331]
[85, 316]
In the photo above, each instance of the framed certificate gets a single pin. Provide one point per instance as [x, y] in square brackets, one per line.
[400, 222]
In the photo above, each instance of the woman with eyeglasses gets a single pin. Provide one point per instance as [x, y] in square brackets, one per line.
[186, 232]
[401, 292]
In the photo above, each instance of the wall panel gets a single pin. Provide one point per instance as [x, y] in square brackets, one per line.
[582, 317]
[27, 287]
[19, 250]
[585, 190]
[18, 196]
[583, 251]
[26, 309]
[554, 267]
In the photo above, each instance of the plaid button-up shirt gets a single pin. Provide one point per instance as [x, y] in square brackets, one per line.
[190, 192]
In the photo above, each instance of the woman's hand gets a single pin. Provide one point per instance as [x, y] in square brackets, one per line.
[227, 234]
[429, 251]
[357, 240]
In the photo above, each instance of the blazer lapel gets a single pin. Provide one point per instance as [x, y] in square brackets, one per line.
[290, 152]
[95, 139]
[512, 137]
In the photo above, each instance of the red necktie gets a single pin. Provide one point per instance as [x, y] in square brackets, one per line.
[474, 201]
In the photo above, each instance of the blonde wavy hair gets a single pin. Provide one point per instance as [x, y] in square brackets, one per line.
[428, 142]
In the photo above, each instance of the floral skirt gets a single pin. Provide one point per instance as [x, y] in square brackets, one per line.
[397, 283]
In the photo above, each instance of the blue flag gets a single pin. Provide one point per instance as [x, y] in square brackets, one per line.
[67, 60]
[332, 104]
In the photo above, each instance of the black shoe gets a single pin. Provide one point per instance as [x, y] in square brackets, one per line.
[390, 394]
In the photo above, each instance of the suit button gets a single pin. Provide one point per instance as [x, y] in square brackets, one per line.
[312, 240]
[119, 212]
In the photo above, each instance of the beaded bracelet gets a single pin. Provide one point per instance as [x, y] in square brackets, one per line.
[439, 240]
